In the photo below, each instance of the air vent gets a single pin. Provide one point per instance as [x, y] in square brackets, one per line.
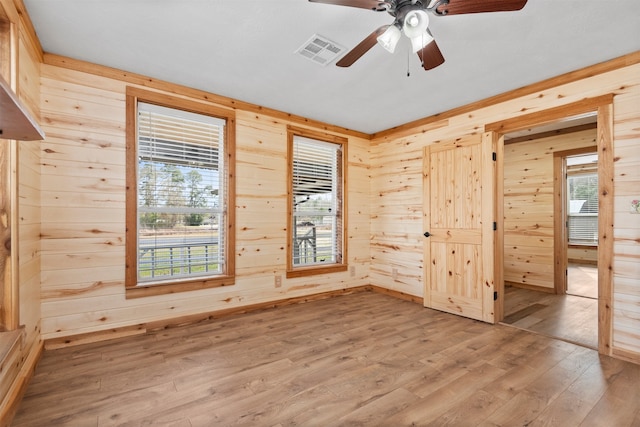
[320, 50]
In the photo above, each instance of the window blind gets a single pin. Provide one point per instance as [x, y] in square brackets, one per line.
[582, 190]
[317, 198]
[181, 193]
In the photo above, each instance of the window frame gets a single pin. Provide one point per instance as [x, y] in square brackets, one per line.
[135, 289]
[342, 263]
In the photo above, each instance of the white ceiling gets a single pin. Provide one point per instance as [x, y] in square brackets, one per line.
[245, 50]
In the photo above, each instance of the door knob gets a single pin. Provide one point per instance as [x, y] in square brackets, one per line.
[427, 234]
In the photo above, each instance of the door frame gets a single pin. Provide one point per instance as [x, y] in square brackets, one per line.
[603, 107]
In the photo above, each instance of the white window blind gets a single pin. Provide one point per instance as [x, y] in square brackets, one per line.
[317, 202]
[181, 194]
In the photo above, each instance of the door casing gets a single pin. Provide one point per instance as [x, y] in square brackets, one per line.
[603, 107]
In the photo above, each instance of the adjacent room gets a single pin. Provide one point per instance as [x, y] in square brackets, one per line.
[319, 212]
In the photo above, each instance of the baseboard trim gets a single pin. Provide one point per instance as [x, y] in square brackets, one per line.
[626, 355]
[593, 263]
[398, 294]
[96, 336]
[143, 328]
[530, 287]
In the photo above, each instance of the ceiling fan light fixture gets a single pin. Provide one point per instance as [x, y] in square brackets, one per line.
[390, 38]
[415, 23]
[420, 41]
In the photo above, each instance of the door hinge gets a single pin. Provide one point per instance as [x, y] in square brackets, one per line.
[495, 226]
[494, 156]
[495, 296]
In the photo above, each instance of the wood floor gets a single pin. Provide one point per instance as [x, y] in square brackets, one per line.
[582, 280]
[573, 318]
[365, 359]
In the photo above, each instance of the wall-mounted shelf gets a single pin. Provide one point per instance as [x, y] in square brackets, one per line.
[15, 120]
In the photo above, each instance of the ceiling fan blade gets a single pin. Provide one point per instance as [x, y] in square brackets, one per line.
[457, 7]
[431, 56]
[377, 5]
[363, 47]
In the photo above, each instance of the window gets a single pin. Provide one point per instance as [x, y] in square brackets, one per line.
[582, 191]
[179, 200]
[316, 203]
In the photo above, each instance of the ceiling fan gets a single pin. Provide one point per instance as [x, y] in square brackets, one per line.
[412, 20]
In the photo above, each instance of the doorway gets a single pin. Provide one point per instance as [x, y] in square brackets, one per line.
[580, 217]
[509, 247]
[550, 203]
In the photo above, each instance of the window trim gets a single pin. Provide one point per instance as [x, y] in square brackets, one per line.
[302, 271]
[227, 278]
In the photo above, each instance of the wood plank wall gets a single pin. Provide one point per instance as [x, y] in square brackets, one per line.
[83, 211]
[529, 206]
[396, 196]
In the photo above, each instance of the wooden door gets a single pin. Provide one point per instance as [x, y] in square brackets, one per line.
[459, 215]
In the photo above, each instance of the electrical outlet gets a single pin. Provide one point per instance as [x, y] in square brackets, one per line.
[352, 271]
[394, 274]
[278, 281]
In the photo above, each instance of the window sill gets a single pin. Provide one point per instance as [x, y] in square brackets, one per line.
[315, 270]
[173, 287]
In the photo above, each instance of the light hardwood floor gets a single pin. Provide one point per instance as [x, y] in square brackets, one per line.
[572, 317]
[566, 317]
[582, 280]
[365, 359]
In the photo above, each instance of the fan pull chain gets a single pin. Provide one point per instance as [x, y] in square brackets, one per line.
[408, 55]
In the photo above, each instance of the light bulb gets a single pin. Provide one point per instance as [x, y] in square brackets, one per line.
[415, 23]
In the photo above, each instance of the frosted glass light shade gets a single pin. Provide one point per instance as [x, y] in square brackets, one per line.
[420, 41]
[415, 23]
[389, 39]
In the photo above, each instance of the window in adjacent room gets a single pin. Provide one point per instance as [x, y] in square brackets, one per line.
[582, 199]
[180, 196]
[317, 203]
